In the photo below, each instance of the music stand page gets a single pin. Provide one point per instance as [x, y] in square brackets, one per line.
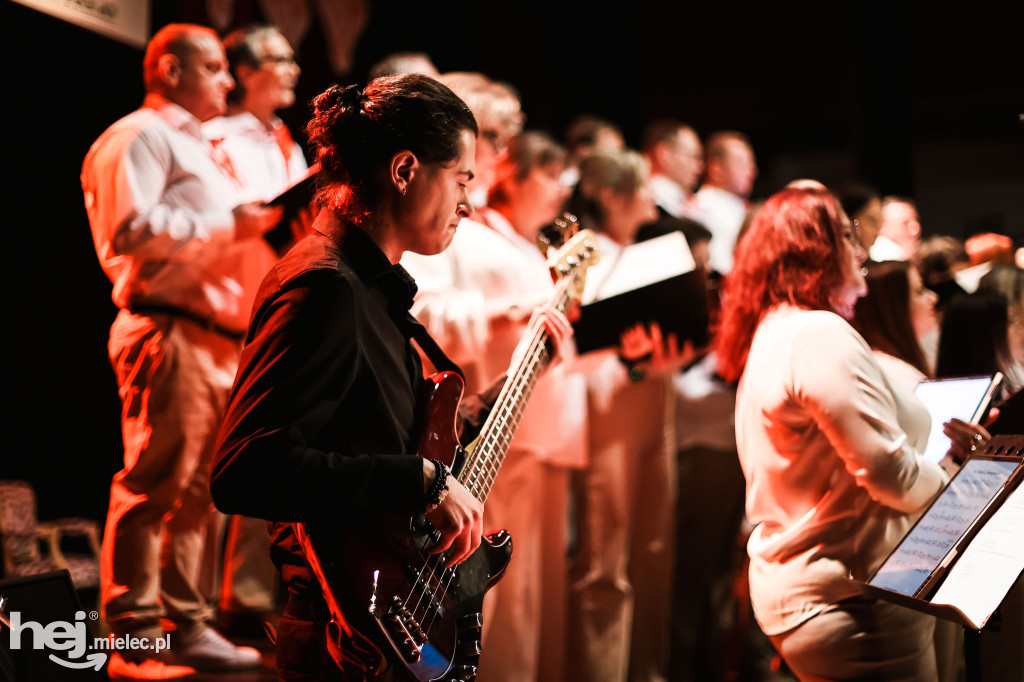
[938, 530]
[945, 399]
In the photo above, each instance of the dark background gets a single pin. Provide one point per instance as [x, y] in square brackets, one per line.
[916, 100]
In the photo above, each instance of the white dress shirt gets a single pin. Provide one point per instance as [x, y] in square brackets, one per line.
[721, 212]
[486, 262]
[886, 249]
[160, 209]
[256, 155]
[669, 196]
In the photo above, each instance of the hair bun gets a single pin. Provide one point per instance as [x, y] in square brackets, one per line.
[351, 97]
[337, 100]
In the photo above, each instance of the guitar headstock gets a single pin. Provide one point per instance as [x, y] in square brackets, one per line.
[554, 235]
[571, 261]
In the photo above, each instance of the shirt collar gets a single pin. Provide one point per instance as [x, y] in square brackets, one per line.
[174, 115]
[369, 262]
[245, 123]
[668, 195]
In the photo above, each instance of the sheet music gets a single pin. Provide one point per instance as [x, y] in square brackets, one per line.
[639, 265]
[979, 581]
[928, 544]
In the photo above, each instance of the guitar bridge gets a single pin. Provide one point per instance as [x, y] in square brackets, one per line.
[405, 631]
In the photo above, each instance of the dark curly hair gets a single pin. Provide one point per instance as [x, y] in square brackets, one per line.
[355, 132]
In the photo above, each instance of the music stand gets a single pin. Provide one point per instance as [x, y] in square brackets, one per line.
[966, 551]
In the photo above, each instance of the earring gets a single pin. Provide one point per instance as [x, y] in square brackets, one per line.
[404, 189]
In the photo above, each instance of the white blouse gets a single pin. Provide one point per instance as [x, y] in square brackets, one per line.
[829, 447]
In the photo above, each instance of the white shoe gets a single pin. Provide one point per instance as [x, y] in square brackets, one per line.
[147, 669]
[212, 653]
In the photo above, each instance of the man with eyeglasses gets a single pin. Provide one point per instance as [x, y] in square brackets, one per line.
[258, 144]
[266, 160]
[676, 157]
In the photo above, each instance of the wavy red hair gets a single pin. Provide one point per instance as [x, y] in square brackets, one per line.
[792, 253]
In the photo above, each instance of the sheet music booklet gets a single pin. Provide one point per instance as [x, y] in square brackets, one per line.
[650, 281]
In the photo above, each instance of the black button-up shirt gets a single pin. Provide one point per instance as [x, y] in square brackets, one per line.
[320, 421]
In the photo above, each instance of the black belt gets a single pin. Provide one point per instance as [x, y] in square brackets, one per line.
[149, 309]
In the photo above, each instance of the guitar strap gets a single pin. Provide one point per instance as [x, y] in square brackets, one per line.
[418, 333]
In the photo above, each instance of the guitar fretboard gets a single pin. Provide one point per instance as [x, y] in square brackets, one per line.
[496, 435]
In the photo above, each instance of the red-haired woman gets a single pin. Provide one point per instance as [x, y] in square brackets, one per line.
[829, 447]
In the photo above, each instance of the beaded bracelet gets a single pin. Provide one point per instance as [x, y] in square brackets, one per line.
[439, 488]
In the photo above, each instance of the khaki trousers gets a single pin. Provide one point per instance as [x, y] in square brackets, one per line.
[620, 592]
[174, 377]
[861, 639]
[250, 577]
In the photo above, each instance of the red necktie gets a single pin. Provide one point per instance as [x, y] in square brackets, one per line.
[223, 160]
[285, 142]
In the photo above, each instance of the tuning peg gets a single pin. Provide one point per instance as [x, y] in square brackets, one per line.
[466, 673]
[471, 621]
[472, 648]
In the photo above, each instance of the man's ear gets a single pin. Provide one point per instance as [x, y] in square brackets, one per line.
[169, 69]
[403, 168]
[659, 153]
[244, 71]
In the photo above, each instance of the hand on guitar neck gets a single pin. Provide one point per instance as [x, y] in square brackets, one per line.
[559, 336]
[459, 518]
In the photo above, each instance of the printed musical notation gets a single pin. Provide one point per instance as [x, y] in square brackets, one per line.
[936, 534]
[979, 581]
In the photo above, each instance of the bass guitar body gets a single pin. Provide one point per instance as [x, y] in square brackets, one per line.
[392, 602]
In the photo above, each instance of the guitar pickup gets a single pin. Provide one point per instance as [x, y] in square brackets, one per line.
[420, 583]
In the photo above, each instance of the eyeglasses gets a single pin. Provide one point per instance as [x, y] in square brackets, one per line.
[278, 59]
[495, 139]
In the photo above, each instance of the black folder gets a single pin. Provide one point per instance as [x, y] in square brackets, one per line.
[677, 302]
[297, 197]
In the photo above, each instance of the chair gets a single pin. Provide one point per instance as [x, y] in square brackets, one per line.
[22, 535]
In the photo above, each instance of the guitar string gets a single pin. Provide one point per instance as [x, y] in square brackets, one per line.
[535, 358]
[534, 361]
[524, 381]
[488, 466]
[515, 389]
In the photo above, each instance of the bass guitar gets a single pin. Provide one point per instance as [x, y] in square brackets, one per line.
[391, 602]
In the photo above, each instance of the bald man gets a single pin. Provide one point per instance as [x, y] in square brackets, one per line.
[173, 234]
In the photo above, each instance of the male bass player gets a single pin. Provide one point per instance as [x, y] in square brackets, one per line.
[320, 424]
